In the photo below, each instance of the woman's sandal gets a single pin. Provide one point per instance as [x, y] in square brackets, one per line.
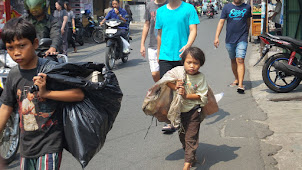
[240, 90]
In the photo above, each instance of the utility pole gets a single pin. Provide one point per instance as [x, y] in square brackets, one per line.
[263, 16]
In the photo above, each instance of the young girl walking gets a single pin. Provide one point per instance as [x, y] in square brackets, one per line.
[194, 91]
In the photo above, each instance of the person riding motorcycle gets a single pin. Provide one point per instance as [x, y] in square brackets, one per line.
[210, 6]
[46, 25]
[118, 13]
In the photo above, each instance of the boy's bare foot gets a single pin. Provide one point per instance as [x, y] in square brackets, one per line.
[187, 166]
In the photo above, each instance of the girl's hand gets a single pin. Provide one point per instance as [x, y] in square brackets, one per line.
[179, 83]
[181, 91]
[40, 81]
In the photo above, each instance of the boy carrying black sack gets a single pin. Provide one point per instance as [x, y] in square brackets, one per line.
[41, 126]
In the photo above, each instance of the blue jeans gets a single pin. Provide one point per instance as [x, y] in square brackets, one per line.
[236, 50]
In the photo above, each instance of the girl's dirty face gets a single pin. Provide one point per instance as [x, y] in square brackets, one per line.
[191, 65]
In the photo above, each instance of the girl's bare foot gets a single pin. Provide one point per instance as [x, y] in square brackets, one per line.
[187, 166]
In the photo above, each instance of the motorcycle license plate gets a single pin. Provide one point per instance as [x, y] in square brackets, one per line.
[111, 31]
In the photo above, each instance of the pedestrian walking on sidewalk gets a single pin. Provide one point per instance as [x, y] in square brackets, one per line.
[238, 16]
[61, 14]
[71, 26]
[194, 92]
[41, 125]
[177, 29]
[276, 17]
[149, 25]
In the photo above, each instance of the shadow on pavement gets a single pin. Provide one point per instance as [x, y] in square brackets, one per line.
[221, 114]
[296, 90]
[252, 84]
[208, 155]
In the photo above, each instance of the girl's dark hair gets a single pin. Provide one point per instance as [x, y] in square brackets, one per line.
[196, 53]
[67, 5]
[61, 3]
[116, 1]
[18, 28]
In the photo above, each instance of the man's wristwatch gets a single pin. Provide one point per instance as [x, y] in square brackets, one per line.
[120, 15]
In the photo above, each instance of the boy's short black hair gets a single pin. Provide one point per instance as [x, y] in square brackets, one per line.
[18, 28]
[196, 53]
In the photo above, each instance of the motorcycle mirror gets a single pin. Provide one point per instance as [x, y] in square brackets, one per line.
[45, 42]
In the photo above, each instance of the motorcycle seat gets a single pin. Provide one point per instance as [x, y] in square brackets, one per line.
[295, 41]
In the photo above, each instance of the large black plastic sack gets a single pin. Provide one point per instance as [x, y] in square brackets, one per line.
[86, 123]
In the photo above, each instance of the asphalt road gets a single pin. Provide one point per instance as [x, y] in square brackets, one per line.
[229, 139]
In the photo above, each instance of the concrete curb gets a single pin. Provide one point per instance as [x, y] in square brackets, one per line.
[284, 118]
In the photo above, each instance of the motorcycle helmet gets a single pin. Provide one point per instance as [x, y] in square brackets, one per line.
[31, 4]
[87, 11]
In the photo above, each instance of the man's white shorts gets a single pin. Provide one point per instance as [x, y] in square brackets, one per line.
[152, 55]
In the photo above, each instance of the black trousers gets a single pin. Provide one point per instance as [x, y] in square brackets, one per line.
[165, 66]
[70, 39]
[278, 26]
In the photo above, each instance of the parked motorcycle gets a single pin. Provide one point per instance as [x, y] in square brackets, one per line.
[44, 45]
[92, 29]
[78, 36]
[114, 50]
[98, 34]
[282, 72]
[9, 138]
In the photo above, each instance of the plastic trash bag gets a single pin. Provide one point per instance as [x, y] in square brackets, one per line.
[86, 123]
[126, 46]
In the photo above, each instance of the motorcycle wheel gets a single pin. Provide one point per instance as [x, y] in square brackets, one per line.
[110, 57]
[277, 80]
[125, 58]
[98, 36]
[9, 143]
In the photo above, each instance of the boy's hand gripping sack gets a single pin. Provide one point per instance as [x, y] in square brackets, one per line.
[87, 123]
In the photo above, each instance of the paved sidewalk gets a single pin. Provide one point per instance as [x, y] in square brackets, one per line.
[284, 117]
